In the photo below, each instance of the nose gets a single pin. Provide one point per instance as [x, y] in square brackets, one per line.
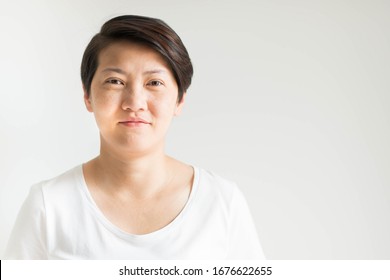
[134, 99]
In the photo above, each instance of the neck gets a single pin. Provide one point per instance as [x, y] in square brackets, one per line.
[140, 176]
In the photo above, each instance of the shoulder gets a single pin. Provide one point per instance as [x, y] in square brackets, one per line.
[62, 182]
[215, 186]
[212, 178]
[58, 190]
[40, 213]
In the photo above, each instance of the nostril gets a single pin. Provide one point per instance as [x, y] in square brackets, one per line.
[134, 103]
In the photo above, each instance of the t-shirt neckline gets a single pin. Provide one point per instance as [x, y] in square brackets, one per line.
[130, 236]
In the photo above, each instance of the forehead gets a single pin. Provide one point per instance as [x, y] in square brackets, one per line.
[126, 54]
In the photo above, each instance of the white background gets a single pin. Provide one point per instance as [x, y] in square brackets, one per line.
[290, 99]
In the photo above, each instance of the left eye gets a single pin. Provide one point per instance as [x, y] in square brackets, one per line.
[155, 83]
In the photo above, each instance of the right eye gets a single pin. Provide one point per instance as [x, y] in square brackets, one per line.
[115, 81]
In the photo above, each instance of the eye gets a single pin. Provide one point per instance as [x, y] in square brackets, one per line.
[114, 81]
[155, 83]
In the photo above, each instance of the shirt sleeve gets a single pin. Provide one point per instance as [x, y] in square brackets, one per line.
[28, 237]
[243, 239]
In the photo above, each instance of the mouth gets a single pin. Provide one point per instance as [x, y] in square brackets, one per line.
[134, 123]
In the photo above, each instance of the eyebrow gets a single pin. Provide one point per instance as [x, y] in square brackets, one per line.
[154, 71]
[112, 69]
[120, 71]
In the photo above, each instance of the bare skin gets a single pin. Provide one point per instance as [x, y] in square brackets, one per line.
[136, 186]
[144, 200]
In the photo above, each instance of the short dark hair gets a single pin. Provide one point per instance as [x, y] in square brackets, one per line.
[139, 29]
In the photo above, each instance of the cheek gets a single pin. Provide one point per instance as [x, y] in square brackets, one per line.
[104, 108]
[165, 102]
[105, 102]
[164, 109]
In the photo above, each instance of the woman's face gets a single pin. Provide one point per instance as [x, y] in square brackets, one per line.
[133, 97]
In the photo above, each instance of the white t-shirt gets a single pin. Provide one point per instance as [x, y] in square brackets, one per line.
[60, 220]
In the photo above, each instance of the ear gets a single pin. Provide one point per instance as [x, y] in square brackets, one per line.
[179, 105]
[87, 100]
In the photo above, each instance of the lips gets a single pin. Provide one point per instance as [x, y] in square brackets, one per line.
[134, 122]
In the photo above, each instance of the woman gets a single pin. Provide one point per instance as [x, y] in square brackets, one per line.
[133, 201]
